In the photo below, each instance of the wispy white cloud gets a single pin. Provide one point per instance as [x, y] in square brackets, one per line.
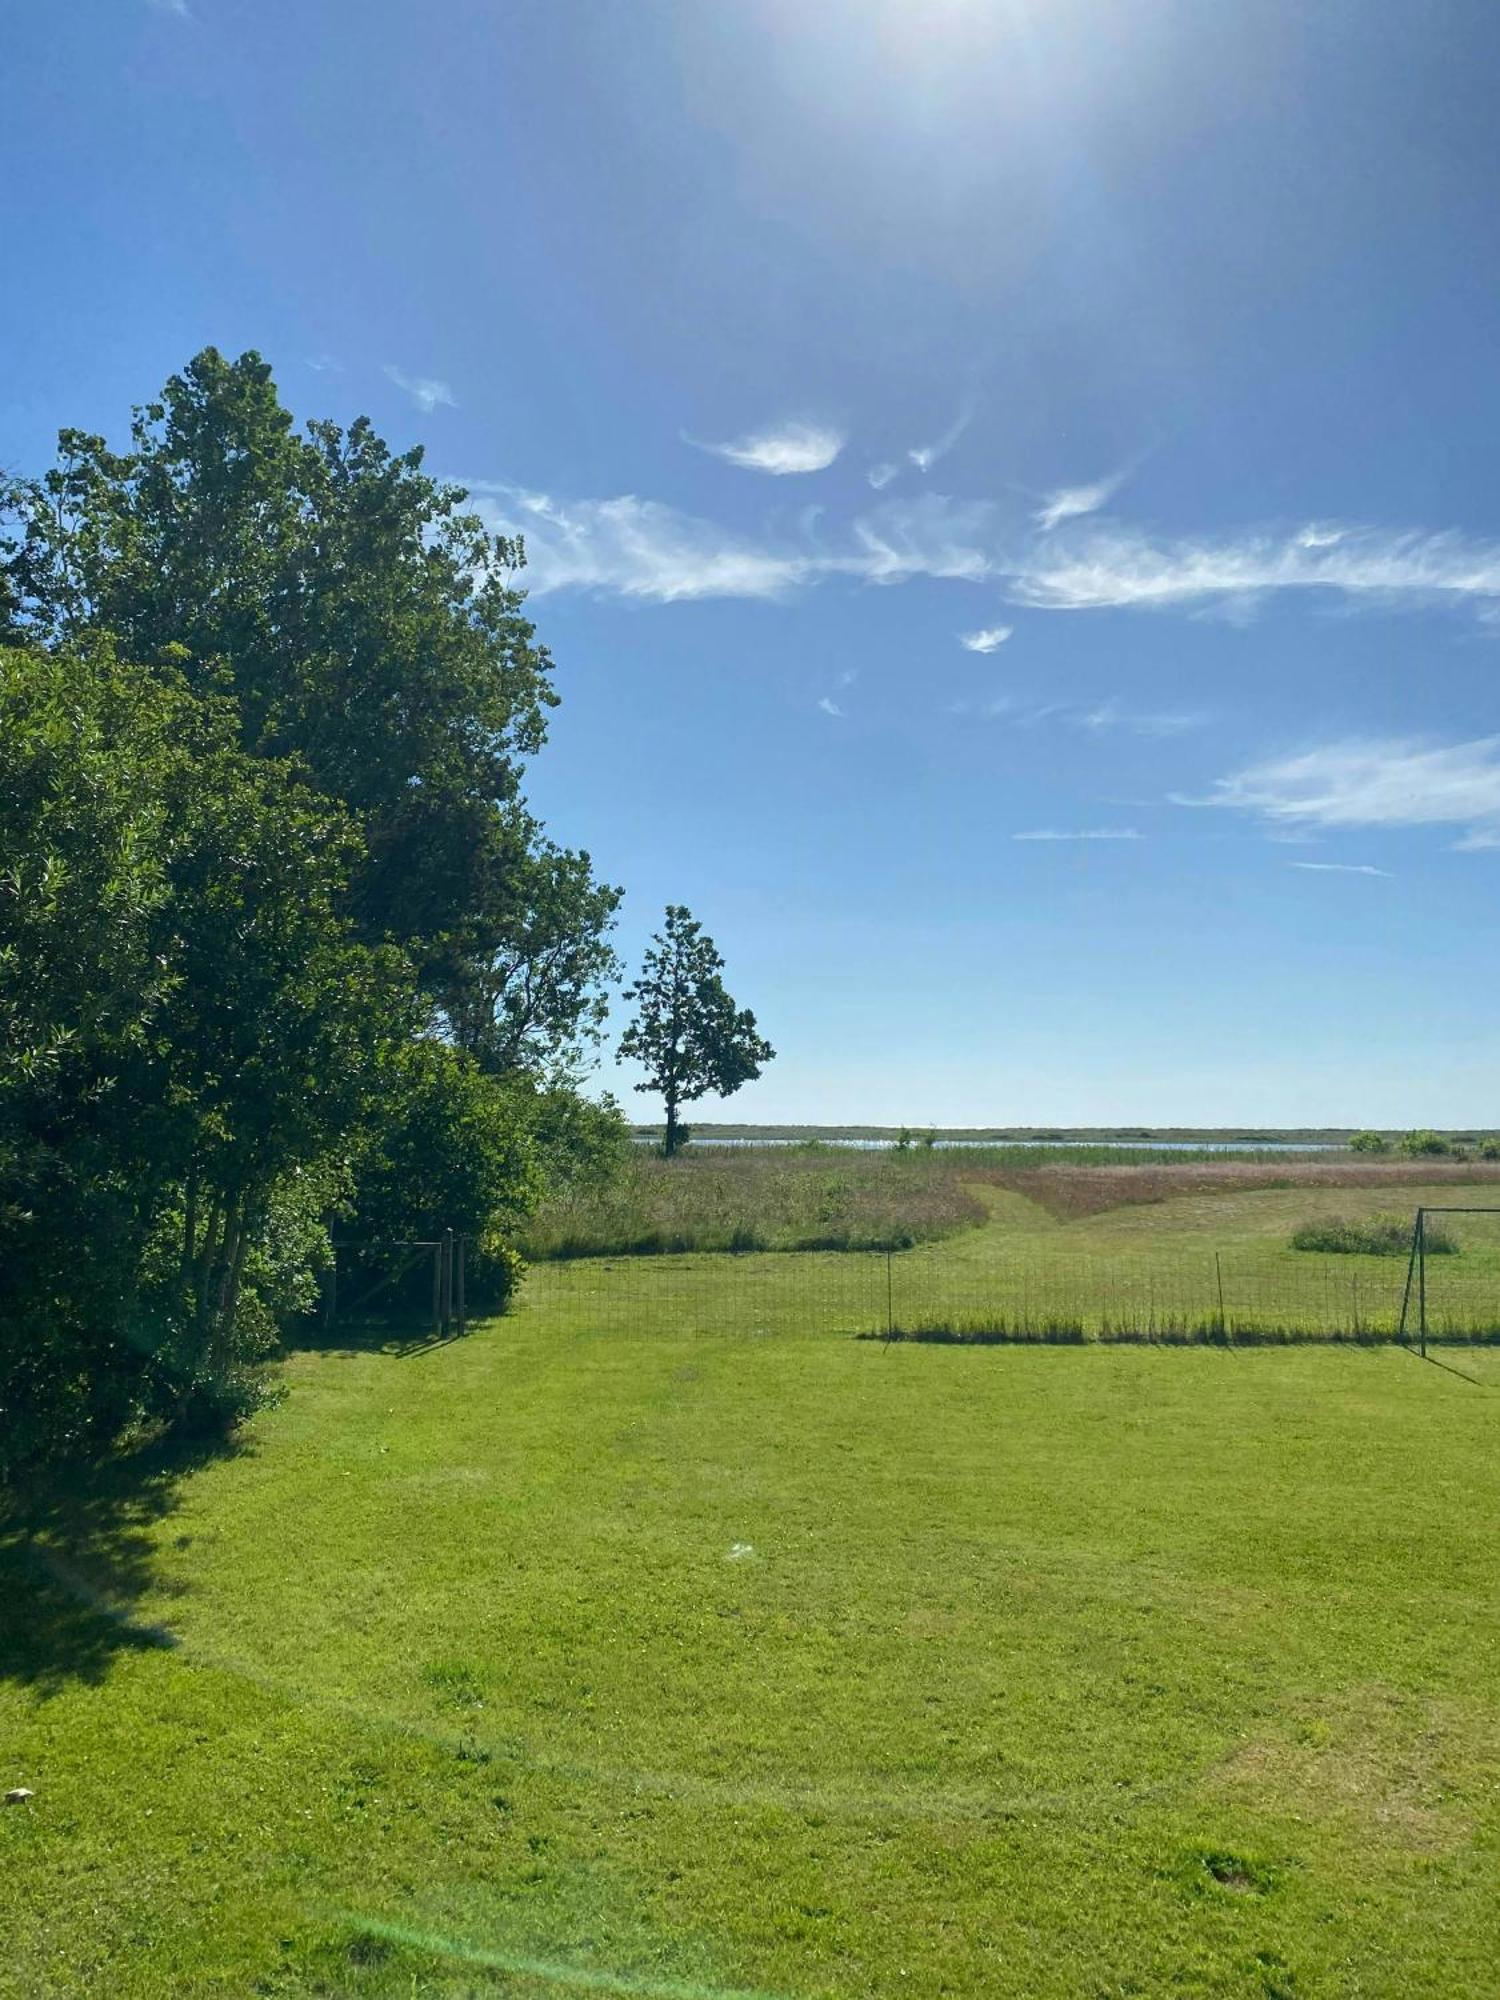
[1069, 502]
[425, 390]
[1095, 718]
[790, 447]
[1112, 714]
[1118, 567]
[637, 548]
[178, 7]
[880, 476]
[988, 639]
[1085, 833]
[925, 456]
[643, 548]
[324, 364]
[1358, 783]
[1341, 868]
[828, 705]
[930, 535]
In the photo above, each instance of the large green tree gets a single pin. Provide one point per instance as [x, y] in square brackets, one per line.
[366, 623]
[688, 1034]
[280, 939]
[191, 1033]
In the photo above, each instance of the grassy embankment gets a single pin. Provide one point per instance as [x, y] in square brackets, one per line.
[690, 1663]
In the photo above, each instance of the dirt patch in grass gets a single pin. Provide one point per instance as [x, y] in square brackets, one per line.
[1399, 1770]
[1072, 1192]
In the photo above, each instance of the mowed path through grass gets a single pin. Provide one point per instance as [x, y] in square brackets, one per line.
[1165, 1265]
[551, 1661]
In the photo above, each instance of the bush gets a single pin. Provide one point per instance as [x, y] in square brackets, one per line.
[1369, 1142]
[1370, 1236]
[1427, 1146]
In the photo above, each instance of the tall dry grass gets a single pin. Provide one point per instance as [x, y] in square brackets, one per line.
[778, 1198]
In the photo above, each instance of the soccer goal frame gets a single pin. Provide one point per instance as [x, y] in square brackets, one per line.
[1416, 1270]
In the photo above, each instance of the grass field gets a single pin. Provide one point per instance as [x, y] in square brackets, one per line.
[738, 1657]
[819, 1197]
[1083, 1250]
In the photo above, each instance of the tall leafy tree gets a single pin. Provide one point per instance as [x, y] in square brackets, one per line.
[192, 1031]
[688, 1033]
[366, 623]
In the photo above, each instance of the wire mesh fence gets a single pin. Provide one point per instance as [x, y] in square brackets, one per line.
[1241, 1293]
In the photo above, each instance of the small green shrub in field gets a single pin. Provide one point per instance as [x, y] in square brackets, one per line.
[1370, 1236]
[1369, 1142]
[1427, 1146]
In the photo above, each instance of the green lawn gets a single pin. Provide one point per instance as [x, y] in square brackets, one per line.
[699, 1658]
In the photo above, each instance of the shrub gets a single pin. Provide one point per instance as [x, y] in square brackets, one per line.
[1370, 1236]
[1426, 1145]
[1369, 1142]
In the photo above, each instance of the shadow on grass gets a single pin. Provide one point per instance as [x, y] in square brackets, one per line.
[75, 1562]
[399, 1336]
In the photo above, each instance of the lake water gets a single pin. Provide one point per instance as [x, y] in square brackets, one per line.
[1123, 1145]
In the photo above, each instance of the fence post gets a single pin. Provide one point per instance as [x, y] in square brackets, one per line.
[462, 1293]
[890, 1316]
[1422, 1277]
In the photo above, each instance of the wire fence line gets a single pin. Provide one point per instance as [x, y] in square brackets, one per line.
[1235, 1294]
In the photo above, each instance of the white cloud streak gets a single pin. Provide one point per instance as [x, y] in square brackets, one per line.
[425, 390]
[925, 456]
[880, 476]
[1341, 868]
[1086, 833]
[1095, 718]
[1119, 568]
[636, 548]
[1068, 503]
[786, 448]
[642, 548]
[988, 639]
[1364, 784]
[828, 705]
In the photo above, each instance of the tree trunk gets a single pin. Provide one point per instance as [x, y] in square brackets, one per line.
[670, 1146]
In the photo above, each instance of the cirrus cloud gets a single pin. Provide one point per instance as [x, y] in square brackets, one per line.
[1362, 783]
[785, 448]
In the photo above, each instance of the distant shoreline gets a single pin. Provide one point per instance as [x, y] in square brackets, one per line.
[1088, 1135]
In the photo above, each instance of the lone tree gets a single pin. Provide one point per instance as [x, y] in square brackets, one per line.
[687, 1032]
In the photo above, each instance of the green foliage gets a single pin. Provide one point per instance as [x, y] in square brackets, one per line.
[366, 624]
[1367, 1236]
[1426, 1145]
[450, 1152]
[1369, 1142]
[189, 1025]
[687, 1032]
[1371, 1236]
[248, 879]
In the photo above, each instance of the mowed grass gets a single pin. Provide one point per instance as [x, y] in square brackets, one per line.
[693, 1662]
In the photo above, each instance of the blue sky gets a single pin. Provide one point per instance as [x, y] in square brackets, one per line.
[1010, 484]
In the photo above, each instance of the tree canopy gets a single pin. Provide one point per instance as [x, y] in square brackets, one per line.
[280, 940]
[688, 1033]
[367, 625]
